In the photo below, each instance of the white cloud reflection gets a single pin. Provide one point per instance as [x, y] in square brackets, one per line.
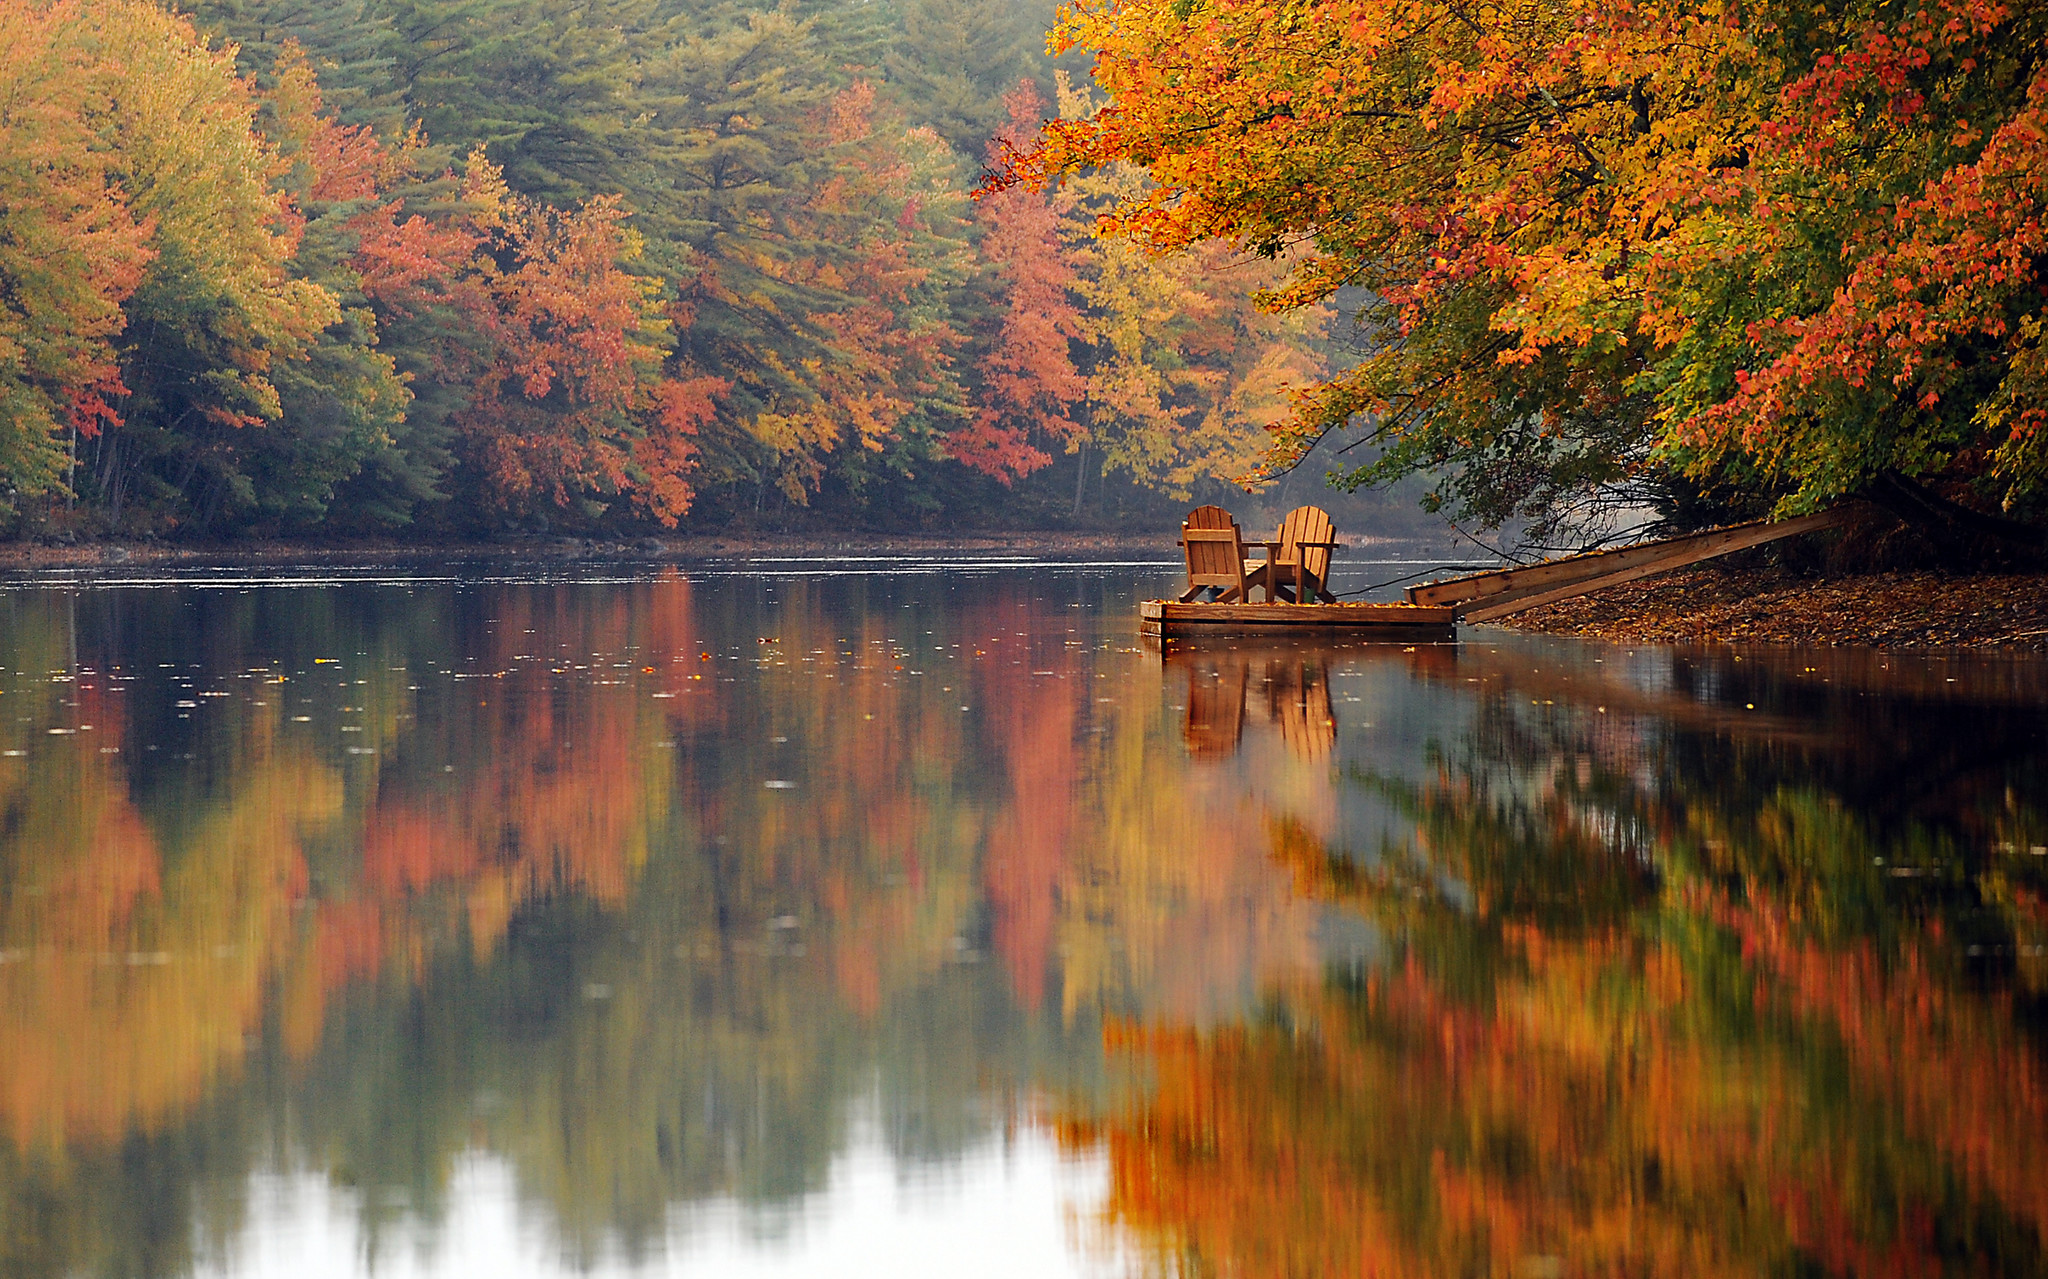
[1019, 1209]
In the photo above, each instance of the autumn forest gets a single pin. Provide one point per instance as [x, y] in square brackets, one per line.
[475, 266]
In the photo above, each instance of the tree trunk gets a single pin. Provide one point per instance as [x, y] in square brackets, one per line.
[1958, 532]
[112, 479]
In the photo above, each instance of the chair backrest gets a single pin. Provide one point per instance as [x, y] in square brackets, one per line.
[1308, 524]
[1215, 547]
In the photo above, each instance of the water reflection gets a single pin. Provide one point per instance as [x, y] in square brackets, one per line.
[1729, 964]
[1290, 689]
[624, 905]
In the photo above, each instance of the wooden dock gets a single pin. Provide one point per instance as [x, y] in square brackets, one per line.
[1379, 623]
[1434, 609]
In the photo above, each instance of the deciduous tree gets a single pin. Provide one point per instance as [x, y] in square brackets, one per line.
[71, 252]
[1029, 386]
[1784, 249]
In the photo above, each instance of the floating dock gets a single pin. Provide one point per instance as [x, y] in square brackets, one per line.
[1383, 623]
[1434, 609]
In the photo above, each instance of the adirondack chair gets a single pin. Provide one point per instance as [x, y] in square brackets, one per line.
[1298, 566]
[1215, 553]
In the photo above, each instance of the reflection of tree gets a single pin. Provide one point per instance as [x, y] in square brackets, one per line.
[142, 963]
[1652, 1020]
[1652, 1002]
[1168, 901]
[163, 917]
[542, 903]
[139, 960]
[1034, 722]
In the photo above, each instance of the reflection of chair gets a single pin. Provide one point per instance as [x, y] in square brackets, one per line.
[1289, 691]
[1215, 709]
[1298, 701]
[1298, 567]
[1215, 552]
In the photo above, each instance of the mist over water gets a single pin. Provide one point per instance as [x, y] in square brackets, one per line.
[896, 916]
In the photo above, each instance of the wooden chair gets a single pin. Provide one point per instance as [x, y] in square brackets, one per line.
[1215, 553]
[1298, 567]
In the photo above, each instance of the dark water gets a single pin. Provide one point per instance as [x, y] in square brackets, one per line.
[765, 920]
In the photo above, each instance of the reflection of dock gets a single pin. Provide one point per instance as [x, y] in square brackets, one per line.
[1286, 684]
[1377, 623]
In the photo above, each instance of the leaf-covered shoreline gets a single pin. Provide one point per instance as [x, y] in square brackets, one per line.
[1738, 605]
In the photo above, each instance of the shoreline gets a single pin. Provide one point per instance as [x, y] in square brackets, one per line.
[1709, 604]
[1721, 604]
[31, 557]
[18, 557]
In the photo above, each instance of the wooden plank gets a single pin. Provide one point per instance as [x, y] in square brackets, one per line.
[1394, 623]
[1492, 607]
[1540, 579]
[1175, 633]
[1405, 634]
[1282, 614]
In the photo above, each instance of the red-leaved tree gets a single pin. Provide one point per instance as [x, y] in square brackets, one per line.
[1028, 381]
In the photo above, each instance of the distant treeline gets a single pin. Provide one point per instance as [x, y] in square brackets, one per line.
[484, 265]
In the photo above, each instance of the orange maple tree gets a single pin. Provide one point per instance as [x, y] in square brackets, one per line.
[571, 401]
[1790, 249]
[1029, 383]
[72, 250]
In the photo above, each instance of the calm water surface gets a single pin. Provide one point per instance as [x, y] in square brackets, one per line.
[757, 919]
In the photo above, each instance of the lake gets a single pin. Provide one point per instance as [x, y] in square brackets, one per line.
[896, 917]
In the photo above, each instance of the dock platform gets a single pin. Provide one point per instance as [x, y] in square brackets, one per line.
[1385, 623]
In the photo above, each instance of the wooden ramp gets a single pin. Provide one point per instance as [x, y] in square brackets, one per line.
[1484, 597]
[1392, 623]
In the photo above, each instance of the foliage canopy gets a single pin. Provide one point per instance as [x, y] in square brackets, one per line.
[1781, 250]
[525, 264]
